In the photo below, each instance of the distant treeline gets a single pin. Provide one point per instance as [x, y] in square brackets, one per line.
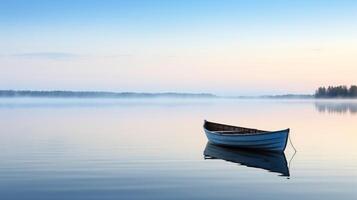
[288, 96]
[336, 92]
[282, 96]
[93, 94]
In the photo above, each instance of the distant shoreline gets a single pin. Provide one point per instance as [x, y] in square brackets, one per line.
[98, 94]
[101, 94]
[331, 92]
[132, 95]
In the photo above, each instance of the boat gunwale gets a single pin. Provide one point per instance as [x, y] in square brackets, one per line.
[242, 134]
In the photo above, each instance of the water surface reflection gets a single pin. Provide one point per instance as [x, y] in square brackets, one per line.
[270, 161]
[336, 107]
[152, 149]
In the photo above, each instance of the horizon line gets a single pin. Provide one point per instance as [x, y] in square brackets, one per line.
[103, 93]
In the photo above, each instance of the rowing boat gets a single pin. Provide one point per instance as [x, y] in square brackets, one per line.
[241, 137]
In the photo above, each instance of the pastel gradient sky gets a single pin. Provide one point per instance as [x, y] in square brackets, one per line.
[224, 47]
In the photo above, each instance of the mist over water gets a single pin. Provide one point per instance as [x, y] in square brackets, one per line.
[154, 149]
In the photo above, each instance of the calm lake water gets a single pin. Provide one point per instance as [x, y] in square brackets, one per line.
[154, 149]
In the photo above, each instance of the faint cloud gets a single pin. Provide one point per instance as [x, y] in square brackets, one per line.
[48, 55]
[61, 55]
[117, 55]
[317, 49]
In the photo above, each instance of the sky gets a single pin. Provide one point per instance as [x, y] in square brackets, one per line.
[224, 47]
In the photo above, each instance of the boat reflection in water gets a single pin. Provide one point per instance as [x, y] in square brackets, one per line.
[271, 161]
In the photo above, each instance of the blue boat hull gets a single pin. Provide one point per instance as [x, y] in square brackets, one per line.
[268, 141]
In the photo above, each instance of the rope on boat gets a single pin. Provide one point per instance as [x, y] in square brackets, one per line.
[289, 164]
[291, 160]
[292, 143]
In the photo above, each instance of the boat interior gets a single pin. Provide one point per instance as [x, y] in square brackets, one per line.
[228, 129]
